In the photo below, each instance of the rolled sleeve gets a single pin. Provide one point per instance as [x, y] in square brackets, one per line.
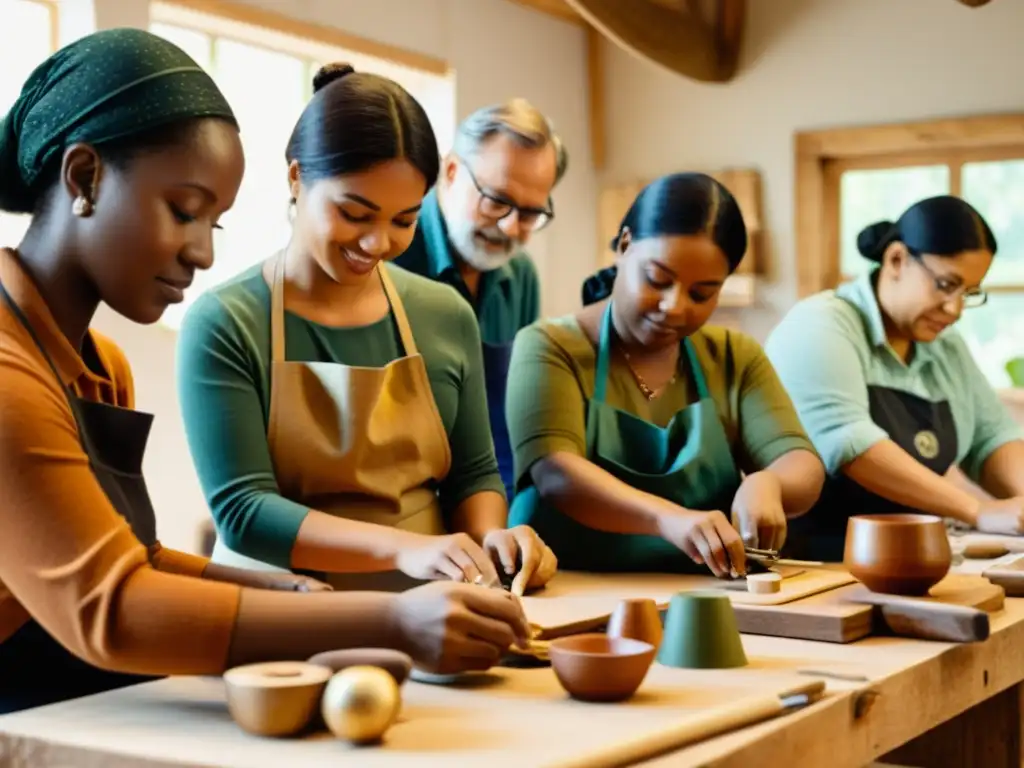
[818, 352]
[769, 425]
[544, 406]
[994, 427]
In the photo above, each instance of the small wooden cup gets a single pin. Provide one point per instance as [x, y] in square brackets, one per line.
[636, 619]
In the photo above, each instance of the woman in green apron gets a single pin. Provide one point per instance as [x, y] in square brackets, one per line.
[124, 153]
[888, 389]
[645, 440]
[335, 404]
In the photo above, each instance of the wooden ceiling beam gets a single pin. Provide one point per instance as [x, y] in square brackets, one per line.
[557, 9]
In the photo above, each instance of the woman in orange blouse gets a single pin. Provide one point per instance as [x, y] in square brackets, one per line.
[125, 153]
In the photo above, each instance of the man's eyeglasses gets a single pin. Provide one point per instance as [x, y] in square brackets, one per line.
[494, 206]
[971, 297]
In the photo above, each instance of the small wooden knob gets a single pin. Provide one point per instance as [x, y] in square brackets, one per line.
[764, 583]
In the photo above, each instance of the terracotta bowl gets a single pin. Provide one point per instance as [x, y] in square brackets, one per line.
[596, 667]
[897, 554]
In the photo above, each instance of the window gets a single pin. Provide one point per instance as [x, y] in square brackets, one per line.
[847, 178]
[27, 37]
[996, 189]
[267, 75]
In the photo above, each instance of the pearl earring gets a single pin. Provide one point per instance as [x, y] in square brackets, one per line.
[81, 207]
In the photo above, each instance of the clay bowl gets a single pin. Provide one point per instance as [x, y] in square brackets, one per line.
[636, 619]
[900, 554]
[596, 667]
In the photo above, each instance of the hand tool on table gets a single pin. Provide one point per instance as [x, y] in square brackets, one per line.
[699, 727]
[770, 557]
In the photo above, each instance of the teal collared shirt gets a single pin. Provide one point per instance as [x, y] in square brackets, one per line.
[832, 346]
[507, 299]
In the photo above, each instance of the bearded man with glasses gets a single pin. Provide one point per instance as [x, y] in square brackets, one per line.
[493, 194]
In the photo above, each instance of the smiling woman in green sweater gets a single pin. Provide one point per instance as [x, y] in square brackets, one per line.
[335, 404]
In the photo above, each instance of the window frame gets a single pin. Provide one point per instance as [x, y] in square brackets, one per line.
[217, 17]
[822, 156]
[54, 11]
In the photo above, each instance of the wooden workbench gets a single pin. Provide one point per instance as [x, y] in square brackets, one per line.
[522, 718]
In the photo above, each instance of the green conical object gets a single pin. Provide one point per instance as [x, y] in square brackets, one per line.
[701, 632]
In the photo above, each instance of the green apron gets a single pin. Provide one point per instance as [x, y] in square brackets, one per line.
[689, 462]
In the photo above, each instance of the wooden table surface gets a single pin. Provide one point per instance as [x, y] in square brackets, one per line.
[522, 718]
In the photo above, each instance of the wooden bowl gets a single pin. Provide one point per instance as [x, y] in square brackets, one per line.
[596, 667]
[899, 554]
[277, 698]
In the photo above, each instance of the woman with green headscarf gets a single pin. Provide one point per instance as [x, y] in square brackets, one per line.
[125, 154]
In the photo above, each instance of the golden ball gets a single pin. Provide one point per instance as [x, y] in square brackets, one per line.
[360, 704]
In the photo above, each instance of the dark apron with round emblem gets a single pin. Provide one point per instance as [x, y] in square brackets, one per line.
[923, 428]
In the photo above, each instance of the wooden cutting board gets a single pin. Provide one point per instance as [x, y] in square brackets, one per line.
[834, 617]
[576, 602]
[583, 603]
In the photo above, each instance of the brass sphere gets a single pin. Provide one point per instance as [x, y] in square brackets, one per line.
[360, 704]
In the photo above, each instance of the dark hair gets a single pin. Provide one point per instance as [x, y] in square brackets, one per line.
[943, 226]
[678, 204]
[356, 120]
[16, 197]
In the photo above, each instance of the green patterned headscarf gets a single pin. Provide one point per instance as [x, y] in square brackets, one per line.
[110, 85]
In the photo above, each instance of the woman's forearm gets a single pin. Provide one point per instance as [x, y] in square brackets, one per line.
[801, 476]
[334, 544]
[479, 514]
[887, 470]
[585, 492]
[280, 626]
[1002, 474]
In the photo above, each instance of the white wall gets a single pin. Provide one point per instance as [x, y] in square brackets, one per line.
[498, 50]
[811, 64]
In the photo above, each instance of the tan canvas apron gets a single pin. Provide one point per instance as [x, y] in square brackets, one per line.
[361, 443]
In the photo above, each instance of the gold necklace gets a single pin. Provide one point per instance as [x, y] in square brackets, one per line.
[645, 390]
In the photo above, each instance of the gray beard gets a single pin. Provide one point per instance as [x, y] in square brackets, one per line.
[475, 254]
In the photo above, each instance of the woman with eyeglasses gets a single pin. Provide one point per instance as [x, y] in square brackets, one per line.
[888, 390]
[335, 404]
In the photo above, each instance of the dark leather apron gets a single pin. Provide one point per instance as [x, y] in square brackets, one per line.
[34, 668]
[923, 428]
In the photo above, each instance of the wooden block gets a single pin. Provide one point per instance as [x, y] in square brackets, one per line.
[764, 583]
[1010, 576]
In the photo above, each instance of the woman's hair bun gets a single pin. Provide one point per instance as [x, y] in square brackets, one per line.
[328, 73]
[875, 238]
